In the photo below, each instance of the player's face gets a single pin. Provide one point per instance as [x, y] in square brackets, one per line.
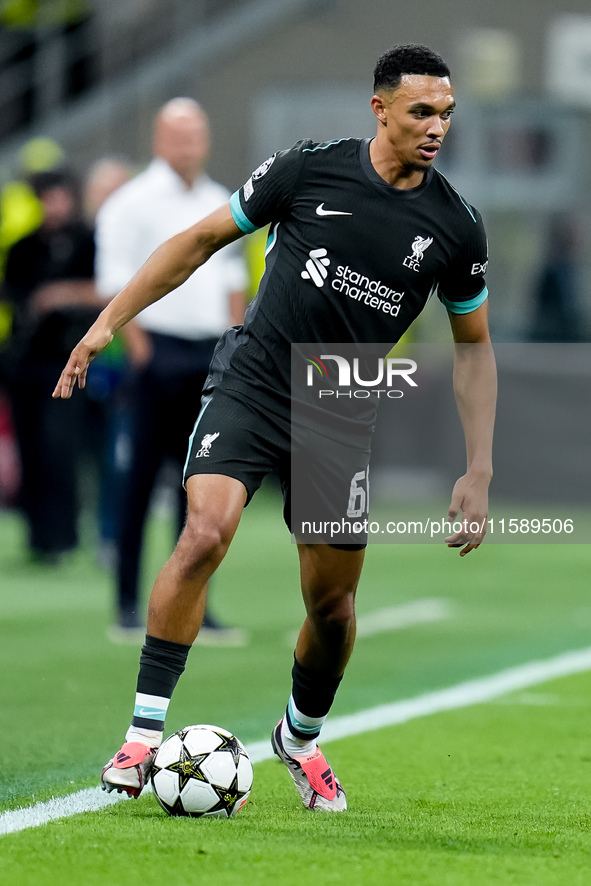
[415, 118]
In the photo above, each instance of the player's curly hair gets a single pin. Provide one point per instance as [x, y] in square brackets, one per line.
[408, 58]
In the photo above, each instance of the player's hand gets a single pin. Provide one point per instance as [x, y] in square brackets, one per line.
[470, 496]
[95, 340]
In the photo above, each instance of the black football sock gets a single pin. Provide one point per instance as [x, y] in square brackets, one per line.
[311, 698]
[161, 664]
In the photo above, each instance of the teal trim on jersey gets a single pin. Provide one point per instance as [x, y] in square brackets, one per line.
[466, 307]
[271, 239]
[238, 215]
[192, 437]
[467, 205]
[326, 145]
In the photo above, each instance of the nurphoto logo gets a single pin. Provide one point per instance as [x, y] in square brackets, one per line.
[348, 373]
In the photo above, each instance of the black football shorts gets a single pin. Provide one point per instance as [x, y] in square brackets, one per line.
[324, 481]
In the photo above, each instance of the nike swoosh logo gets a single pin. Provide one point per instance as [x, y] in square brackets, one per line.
[150, 712]
[320, 210]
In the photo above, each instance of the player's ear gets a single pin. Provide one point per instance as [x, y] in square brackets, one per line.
[378, 107]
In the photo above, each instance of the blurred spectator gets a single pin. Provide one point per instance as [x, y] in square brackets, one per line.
[49, 283]
[171, 344]
[21, 213]
[557, 315]
[103, 179]
[9, 461]
[104, 388]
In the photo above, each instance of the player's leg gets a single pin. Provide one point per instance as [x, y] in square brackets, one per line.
[326, 512]
[214, 507]
[188, 389]
[175, 612]
[329, 578]
[231, 450]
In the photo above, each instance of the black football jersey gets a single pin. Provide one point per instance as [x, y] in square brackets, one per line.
[349, 259]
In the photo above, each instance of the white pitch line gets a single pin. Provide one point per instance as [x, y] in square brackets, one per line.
[405, 615]
[88, 800]
[462, 695]
[396, 618]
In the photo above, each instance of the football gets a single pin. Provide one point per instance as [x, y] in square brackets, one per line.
[202, 770]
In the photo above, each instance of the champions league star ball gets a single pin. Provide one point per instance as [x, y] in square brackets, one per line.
[202, 770]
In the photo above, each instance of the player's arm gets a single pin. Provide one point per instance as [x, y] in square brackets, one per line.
[475, 390]
[169, 266]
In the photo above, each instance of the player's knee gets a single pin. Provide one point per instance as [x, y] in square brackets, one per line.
[202, 542]
[335, 610]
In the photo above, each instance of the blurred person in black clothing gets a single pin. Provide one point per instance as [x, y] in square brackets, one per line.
[49, 282]
[557, 315]
[107, 387]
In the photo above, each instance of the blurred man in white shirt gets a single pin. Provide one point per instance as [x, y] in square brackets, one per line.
[171, 343]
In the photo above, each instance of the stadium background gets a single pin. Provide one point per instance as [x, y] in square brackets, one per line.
[90, 76]
[269, 72]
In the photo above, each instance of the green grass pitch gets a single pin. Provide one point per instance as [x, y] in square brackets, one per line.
[495, 793]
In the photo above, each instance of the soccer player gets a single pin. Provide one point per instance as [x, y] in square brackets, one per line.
[361, 210]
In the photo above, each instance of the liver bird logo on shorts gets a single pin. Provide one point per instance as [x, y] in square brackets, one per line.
[206, 445]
